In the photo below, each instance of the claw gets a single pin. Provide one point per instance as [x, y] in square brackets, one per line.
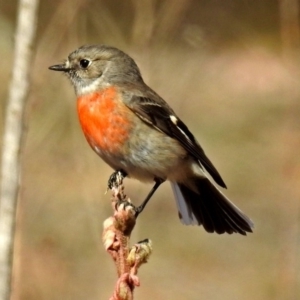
[115, 179]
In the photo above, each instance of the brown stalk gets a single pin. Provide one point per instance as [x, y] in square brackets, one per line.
[116, 239]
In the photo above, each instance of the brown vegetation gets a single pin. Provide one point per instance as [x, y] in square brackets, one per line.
[220, 65]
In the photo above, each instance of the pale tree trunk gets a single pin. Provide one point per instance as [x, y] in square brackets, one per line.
[13, 138]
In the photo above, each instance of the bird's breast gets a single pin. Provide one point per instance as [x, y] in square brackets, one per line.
[126, 142]
[104, 120]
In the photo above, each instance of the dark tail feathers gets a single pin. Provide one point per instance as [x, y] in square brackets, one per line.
[210, 208]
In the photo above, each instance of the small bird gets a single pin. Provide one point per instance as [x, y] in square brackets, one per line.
[140, 136]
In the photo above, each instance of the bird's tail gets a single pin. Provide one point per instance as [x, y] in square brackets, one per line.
[207, 206]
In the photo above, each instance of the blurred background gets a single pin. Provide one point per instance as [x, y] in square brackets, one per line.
[230, 69]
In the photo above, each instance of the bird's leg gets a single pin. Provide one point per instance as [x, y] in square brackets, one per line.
[116, 179]
[158, 182]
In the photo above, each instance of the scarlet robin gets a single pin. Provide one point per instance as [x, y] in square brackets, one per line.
[137, 133]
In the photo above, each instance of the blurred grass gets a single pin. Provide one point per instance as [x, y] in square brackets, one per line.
[219, 65]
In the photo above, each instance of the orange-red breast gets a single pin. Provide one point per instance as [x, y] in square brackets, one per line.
[135, 131]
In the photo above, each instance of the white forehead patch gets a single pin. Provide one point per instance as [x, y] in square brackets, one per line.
[67, 64]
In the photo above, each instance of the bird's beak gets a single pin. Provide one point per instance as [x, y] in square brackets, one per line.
[61, 68]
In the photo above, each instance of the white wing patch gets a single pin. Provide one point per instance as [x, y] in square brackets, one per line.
[174, 120]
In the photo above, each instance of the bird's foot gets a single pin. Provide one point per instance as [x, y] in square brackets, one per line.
[116, 179]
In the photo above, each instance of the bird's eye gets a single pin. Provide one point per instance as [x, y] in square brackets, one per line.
[84, 63]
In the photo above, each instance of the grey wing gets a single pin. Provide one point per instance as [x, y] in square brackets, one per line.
[158, 114]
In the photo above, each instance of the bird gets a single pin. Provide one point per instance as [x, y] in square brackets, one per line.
[140, 136]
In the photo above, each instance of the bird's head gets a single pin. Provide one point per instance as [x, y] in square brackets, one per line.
[94, 67]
